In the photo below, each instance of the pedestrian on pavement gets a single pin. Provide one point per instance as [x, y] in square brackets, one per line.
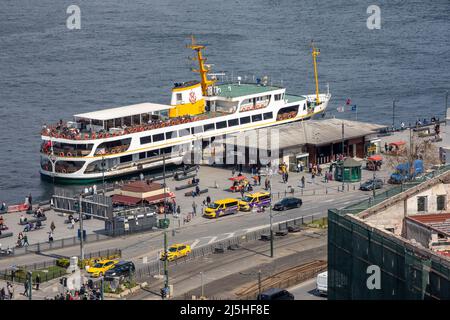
[242, 192]
[286, 177]
[303, 181]
[326, 177]
[52, 226]
[312, 176]
[50, 236]
[233, 172]
[194, 208]
[208, 200]
[38, 281]
[25, 240]
[26, 286]
[72, 222]
[10, 289]
[178, 210]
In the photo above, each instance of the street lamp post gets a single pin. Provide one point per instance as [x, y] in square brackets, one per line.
[30, 284]
[259, 281]
[271, 230]
[201, 281]
[393, 113]
[81, 227]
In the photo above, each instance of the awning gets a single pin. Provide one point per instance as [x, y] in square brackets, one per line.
[303, 155]
[127, 200]
[376, 157]
[238, 178]
[159, 198]
[397, 143]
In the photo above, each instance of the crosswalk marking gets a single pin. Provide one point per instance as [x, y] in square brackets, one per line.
[212, 240]
[195, 243]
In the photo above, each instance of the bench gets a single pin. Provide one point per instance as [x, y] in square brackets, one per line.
[185, 186]
[32, 220]
[179, 177]
[294, 228]
[281, 233]
[189, 194]
[6, 235]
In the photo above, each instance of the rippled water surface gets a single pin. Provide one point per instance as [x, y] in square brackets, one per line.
[132, 51]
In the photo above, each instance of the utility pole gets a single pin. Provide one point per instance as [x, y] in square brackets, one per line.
[343, 153]
[271, 230]
[166, 271]
[259, 281]
[103, 174]
[373, 183]
[81, 227]
[201, 281]
[393, 113]
[446, 101]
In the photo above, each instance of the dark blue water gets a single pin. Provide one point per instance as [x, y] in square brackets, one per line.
[132, 51]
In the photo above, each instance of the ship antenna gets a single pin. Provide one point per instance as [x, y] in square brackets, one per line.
[203, 69]
[315, 53]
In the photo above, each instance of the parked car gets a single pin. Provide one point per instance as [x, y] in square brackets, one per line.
[370, 184]
[275, 294]
[288, 203]
[176, 251]
[121, 270]
[99, 268]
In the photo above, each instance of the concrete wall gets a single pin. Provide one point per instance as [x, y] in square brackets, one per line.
[392, 216]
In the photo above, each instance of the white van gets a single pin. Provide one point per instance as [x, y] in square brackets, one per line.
[322, 283]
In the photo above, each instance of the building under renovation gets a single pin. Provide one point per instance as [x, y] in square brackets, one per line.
[405, 232]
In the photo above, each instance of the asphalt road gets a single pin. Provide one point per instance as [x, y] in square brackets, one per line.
[145, 246]
[306, 291]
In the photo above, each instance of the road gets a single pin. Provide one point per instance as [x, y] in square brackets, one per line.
[145, 246]
[306, 291]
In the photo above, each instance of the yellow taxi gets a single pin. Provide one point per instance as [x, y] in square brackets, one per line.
[99, 268]
[221, 208]
[176, 251]
[257, 199]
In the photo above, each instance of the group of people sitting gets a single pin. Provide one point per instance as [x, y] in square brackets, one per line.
[287, 115]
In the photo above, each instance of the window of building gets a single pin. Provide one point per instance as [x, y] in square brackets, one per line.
[221, 124]
[233, 122]
[441, 201]
[422, 205]
[158, 137]
[179, 97]
[171, 135]
[208, 127]
[268, 115]
[256, 117]
[147, 139]
[245, 120]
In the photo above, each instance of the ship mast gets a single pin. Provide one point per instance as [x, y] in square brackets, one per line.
[203, 69]
[315, 53]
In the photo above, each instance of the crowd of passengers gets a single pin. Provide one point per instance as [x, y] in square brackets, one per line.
[61, 129]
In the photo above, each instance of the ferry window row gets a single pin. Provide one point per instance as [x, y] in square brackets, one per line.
[207, 127]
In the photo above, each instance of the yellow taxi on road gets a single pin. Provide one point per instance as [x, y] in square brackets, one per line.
[176, 251]
[224, 207]
[99, 268]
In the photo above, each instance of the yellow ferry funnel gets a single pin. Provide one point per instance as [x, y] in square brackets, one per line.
[188, 99]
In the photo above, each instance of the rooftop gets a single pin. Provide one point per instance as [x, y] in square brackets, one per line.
[126, 111]
[141, 186]
[437, 221]
[234, 90]
[315, 132]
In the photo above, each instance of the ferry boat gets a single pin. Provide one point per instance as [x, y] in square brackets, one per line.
[127, 140]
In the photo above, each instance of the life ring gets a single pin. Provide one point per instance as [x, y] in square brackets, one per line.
[113, 151]
[86, 136]
[69, 154]
[64, 171]
[61, 154]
